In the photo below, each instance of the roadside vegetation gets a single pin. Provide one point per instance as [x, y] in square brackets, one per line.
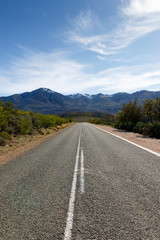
[141, 118]
[89, 117]
[14, 123]
[105, 119]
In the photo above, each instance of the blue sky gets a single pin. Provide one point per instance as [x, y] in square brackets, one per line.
[85, 46]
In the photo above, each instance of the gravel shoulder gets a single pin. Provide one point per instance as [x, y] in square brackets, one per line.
[150, 143]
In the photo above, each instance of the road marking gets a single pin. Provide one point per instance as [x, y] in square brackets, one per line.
[82, 171]
[146, 149]
[70, 215]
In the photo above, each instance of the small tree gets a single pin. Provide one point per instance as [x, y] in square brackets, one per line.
[130, 114]
[157, 111]
[3, 119]
[149, 109]
[26, 126]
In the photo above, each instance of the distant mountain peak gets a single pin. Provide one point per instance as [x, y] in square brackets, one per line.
[44, 90]
[48, 90]
[44, 100]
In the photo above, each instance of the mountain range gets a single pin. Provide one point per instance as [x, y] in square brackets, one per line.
[46, 101]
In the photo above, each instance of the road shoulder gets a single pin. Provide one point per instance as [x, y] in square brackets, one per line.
[152, 144]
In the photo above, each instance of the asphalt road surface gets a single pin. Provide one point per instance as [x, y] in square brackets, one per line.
[81, 184]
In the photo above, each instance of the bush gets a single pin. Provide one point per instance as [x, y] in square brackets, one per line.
[5, 135]
[95, 121]
[129, 115]
[156, 130]
[3, 120]
[144, 120]
[2, 141]
[26, 126]
[16, 122]
[148, 129]
[139, 127]
[10, 130]
[128, 126]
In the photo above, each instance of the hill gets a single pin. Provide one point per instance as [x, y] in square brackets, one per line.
[46, 101]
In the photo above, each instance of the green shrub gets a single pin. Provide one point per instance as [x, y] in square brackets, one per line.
[145, 120]
[5, 135]
[3, 120]
[148, 129]
[10, 130]
[95, 121]
[26, 126]
[156, 130]
[16, 122]
[2, 141]
[128, 126]
[129, 115]
[139, 127]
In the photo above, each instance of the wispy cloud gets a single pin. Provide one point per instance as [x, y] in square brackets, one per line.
[128, 79]
[101, 58]
[59, 73]
[34, 70]
[136, 19]
[86, 21]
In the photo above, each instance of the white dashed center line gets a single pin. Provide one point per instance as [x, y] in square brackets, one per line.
[70, 215]
[82, 171]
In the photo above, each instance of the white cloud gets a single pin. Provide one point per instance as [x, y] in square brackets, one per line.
[36, 70]
[57, 72]
[142, 16]
[141, 7]
[82, 30]
[136, 19]
[123, 79]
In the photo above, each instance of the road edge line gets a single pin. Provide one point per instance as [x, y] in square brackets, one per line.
[144, 148]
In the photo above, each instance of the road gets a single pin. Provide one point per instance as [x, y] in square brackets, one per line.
[82, 184]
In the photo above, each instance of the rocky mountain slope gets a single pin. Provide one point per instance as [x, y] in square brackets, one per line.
[48, 102]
